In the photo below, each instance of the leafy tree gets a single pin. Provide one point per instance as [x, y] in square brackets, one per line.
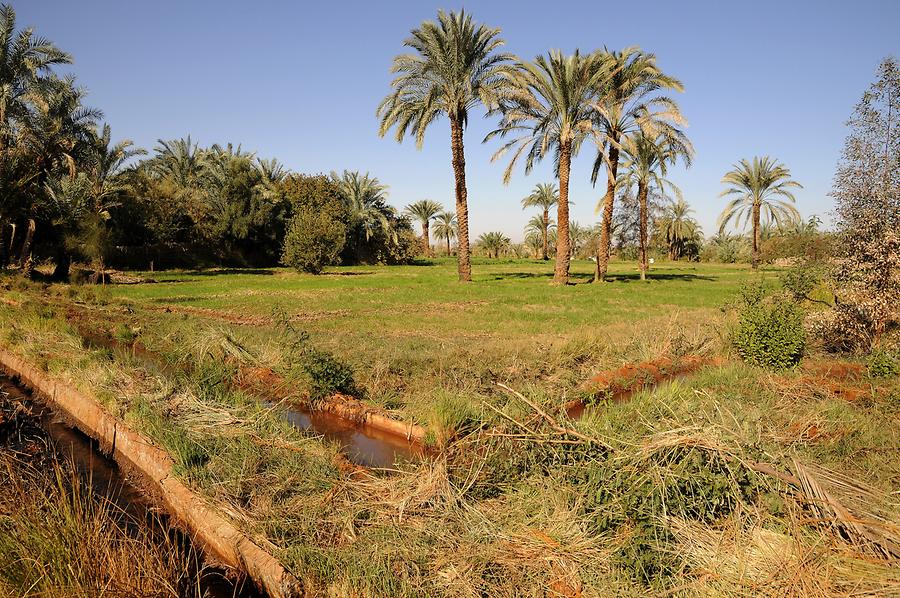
[424, 210]
[547, 106]
[645, 166]
[866, 191]
[455, 65]
[314, 239]
[628, 101]
[493, 243]
[544, 196]
[763, 190]
[678, 227]
[445, 227]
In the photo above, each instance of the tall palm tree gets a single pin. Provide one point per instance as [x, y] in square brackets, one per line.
[548, 108]
[493, 243]
[763, 189]
[445, 227]
[544, 196]
[25, 60]
[677, 226]
[424, 211]
[455, 65]
[627, 102]
[646, 161]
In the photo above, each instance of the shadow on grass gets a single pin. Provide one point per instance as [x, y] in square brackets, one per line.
[658, 276]
[226, 271]
[515, 275]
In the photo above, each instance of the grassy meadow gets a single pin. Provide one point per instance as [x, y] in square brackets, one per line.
[411, 332]
[734, 469]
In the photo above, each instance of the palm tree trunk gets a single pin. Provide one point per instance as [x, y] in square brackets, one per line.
[642, 199]
[561, 273]
[426, 239]
[26, 245]
[756, 209]
[546, 227]
[612, 169]
[464, 264]
[448, 245]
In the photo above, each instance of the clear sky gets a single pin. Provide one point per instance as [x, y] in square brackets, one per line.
[300, 81]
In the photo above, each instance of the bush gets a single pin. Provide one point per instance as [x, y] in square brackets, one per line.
[326, 374]
[883, 364]
[313, 240]
[770, 330]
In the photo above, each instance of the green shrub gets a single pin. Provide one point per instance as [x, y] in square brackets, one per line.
[326, 374]
[770, 330]
[313, 240]
[883, 364]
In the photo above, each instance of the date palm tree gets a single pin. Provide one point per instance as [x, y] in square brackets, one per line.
[547, 108]
[26, 60]
[544, 196]
[455, 65]
[366, 201]
[629, 100]
[763, 190]
[677, 226]
[424, 211]
[445, 227]
[493, 242]
[646, 162]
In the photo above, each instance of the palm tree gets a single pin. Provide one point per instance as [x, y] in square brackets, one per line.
[548, 107]
[677, 226]
[578, 235]
[59, 136]
[493, 243]
[544, 196]
[627, 102]
[424, 211]
[763, 189]
[455, 65]
[645, 165]
[365, 199]
[25, 61]
[535, 243]
[445, 227]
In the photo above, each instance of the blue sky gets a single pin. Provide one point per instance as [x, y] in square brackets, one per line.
[300, 81]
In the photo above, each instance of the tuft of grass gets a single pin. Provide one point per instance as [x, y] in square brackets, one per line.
[58, 537]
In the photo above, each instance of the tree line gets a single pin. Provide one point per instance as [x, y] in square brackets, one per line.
[69, 191]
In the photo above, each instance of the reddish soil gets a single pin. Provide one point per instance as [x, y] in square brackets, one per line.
[618, 384]
[827, 378]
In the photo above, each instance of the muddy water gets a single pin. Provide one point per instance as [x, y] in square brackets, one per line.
[361, 444]
[577, 409]
[109, 481]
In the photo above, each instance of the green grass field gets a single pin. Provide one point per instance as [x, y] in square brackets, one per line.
[411, 332]
[735, 469]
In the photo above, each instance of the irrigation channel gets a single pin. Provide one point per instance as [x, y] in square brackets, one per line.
[361, 443]
[109, 482]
